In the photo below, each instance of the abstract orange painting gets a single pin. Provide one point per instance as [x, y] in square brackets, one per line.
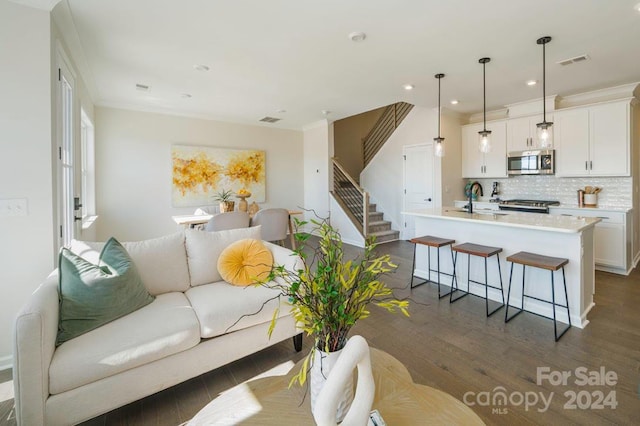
[199, 172]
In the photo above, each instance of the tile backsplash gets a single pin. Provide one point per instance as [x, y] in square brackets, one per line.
[616, 191]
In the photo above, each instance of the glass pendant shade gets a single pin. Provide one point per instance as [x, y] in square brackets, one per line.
[545, 135]
[484, 141]
[438, 147]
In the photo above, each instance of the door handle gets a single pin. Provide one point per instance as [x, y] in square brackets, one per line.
[427, 199]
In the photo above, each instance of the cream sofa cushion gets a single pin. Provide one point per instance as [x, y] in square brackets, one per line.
[161, 262]
[166, 326]
[204, 248]
[222, 307]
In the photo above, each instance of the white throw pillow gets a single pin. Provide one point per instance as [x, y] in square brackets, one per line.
[204, 248]
[161, 262]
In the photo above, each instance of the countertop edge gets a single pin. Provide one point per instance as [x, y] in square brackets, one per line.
[437, 214]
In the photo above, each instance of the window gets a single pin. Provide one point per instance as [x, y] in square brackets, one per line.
[87, 167]
[65, 123]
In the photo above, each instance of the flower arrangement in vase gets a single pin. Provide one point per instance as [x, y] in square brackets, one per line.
[243, 194]
[328, 295]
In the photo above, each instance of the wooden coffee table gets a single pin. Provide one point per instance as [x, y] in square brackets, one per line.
[269, 401]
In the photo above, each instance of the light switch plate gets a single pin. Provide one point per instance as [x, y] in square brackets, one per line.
[14, 207]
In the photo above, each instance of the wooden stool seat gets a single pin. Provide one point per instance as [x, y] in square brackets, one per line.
[538, 261]
[431, 241]
[477, 249]
[436, 243]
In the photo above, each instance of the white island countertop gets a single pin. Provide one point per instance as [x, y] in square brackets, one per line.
[543, 222]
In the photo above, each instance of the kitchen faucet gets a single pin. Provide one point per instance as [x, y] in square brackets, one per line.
[474, 184]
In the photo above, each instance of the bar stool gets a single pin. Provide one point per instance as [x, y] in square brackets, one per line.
[436, 242]
[551, 264]
[480, 251]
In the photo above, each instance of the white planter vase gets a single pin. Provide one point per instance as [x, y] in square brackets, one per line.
[322, 363]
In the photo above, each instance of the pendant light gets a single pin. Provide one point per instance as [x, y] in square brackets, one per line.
[439, 141]
[484, 134]
[545, 133]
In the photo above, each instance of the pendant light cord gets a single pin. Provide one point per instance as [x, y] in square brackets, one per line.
[544, 83]
[440, 78]
[484, 96]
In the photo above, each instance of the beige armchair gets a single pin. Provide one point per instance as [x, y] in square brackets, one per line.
[274, 223]
[228, 220]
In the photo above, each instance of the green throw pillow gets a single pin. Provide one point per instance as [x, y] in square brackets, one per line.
[93, 295]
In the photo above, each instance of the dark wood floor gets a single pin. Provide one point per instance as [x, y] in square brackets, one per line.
[455, 348]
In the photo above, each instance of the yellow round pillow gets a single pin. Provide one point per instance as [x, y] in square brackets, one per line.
[245, 262]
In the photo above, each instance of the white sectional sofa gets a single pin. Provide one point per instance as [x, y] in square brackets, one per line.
[196, 323]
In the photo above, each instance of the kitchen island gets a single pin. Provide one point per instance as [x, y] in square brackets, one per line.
[568, 237]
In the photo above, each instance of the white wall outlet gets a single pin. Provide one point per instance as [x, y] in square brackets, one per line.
[14, 207]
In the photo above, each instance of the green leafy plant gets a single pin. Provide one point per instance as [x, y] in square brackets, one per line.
[329, 298]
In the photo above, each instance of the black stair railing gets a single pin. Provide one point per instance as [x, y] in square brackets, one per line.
[383, 129]
[352, 198]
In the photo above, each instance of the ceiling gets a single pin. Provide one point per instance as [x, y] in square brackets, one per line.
[295, 55]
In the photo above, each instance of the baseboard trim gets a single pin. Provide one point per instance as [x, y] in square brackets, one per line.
[6, 362]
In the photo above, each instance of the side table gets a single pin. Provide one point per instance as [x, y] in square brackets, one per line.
[269, 401]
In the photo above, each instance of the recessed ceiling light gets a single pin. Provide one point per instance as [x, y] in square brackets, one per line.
[357, 36]
[454, 102]
[408, 86]
[185, 95]
[532, 82]
[201, 67]
[325, 112]
[637, 7]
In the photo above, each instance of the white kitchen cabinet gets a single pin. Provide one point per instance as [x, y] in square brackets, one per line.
[593, 140]
[612, 237]
[490, 165]
[522, 133]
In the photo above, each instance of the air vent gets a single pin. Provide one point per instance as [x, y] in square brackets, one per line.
[574, 60]
[142, 87]
[270, 119]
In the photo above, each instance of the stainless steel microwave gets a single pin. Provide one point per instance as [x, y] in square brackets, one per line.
[535, 162]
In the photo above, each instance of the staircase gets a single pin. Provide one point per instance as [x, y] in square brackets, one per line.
[353, 199]
[355, 202]
[379, 228]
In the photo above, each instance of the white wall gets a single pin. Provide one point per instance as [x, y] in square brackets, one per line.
[317, 161]
[343, 224]
[383, 176]
[25, 160]
[133, 167]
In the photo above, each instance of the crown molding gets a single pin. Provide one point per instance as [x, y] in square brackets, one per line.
[498, 114]
[47, 5]
[601, 95]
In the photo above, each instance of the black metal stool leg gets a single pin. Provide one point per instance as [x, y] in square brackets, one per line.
[508, 318]
[486, 287]
[455, 280]
[553, 301]
[413, 269]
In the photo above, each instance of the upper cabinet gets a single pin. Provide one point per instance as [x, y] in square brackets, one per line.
[522, 132]
[593, 140]
[478, 165]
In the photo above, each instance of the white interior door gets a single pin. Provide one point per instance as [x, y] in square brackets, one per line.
[419, 179]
